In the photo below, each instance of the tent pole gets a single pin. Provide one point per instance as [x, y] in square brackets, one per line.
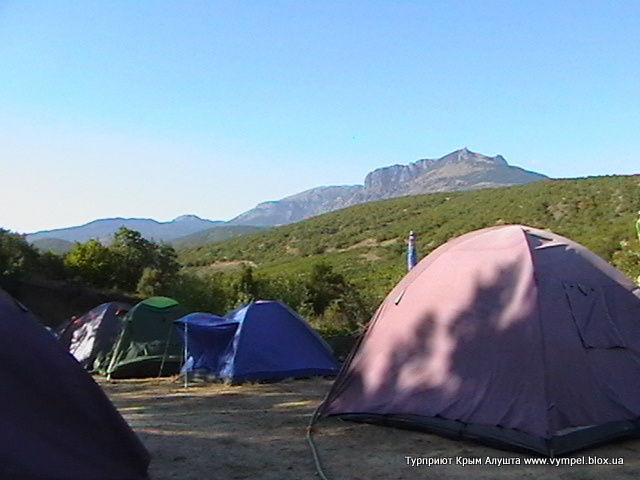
[164, 355]
[116, 349]
[186, 343]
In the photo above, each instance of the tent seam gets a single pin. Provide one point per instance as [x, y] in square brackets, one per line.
[542, 337]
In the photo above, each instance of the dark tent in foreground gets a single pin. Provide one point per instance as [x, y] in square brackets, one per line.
[55, 421]
[263, 341]
[148, 344]
[510, 335]
[90, 337]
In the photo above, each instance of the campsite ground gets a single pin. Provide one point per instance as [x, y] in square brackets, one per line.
[258, 431]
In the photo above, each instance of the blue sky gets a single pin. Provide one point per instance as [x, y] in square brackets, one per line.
[156, 109]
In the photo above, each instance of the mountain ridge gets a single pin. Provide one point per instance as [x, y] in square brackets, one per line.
[459, 170]
[103, 229]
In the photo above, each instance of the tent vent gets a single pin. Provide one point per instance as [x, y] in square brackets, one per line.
[591, 316]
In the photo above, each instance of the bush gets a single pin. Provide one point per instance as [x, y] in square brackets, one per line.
[628, 262]
[51, 265]
[203, 294]
[17, 258]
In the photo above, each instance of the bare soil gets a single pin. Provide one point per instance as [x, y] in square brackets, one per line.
[209, 431]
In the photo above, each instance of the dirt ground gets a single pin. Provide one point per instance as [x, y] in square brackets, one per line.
[258, 431]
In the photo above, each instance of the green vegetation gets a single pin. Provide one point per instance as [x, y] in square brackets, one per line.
[326, 298]
[53, 245]
[214, 234]
[335, 269]
[365, 243]
[130, 262]
[17, 258]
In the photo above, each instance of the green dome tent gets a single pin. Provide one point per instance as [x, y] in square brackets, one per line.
[148, 345]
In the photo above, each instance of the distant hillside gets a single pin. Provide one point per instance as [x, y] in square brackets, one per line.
[54, 245]
[459, 170]
[366, 242]
[214, 234]
[103, 229]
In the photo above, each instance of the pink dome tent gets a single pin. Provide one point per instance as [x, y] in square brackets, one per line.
[510, 335]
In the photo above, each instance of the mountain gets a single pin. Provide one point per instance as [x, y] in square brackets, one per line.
[104, 228]
[301, 205]
[459, 170]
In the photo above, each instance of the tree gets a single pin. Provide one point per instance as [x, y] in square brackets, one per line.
[133, 253]
[205, 294]
[247, 288]
[165, 260]
[158, 278]
[92, 262]
[337, 303]
[52, 265]
[324, 286]
[17, 257]
[150, 283]
[130, 263]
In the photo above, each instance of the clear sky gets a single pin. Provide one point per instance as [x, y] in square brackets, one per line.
[157, 108]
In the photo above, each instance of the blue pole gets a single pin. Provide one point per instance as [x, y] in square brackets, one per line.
[186, 342]
[412, 252]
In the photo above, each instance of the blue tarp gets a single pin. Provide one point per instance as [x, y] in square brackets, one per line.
[262, 341]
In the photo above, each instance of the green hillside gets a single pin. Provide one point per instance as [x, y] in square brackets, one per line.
[214, 234]
[53, 245]
[365, 242]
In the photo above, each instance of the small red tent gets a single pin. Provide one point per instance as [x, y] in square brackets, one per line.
[90, 337]
[510, 335]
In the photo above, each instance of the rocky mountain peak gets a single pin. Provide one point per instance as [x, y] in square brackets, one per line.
[458, 170]
[465, 155]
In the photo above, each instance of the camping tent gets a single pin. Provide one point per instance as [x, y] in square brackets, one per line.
[262, 341]
[55, 421]
[90, 337]
[148, 344]
[510, 335]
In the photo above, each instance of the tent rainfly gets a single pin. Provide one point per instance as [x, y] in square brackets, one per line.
[90, 337]
[262, 341]
[148, 344]
[55, 421]
[510, 335]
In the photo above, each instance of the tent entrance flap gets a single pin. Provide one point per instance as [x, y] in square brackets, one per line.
[209, 344]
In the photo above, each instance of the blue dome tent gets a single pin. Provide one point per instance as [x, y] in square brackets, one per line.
[262, 341]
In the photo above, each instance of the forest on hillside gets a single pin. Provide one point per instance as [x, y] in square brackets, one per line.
[366, 242]
[336, 268]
